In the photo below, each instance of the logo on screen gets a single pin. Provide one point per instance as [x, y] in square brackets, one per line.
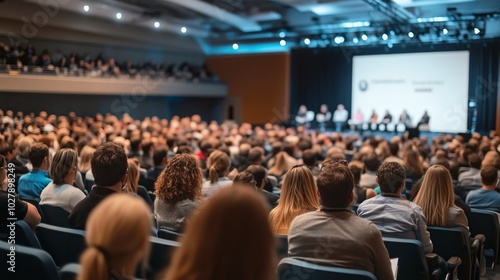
[363, 85]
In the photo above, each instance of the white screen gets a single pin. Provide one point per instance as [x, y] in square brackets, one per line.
[436, 81]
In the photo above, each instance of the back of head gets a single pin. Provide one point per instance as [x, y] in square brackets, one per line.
[181, 179]
[62, 163]
[86, 155]
[37, 153]
[394, 149]
[390, 177]
[356, 168]
[133, 173]
[289, 148]
[109, 164]
[474, 160]
[371, 162]
[245, 179]
[117, 231]
[218, 164]
[24, 145]
[258, 172]
[159, 155]
[335, 185]
[413, 163]
[489, 175]
[256, 154]
[244, 150]
[309, 157]
[436, 195]
[231, 226]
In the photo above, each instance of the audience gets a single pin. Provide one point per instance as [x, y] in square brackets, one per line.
[132, 185]
[259, 173]
[486, 198]
[395, 216]
[61, 192]
[31, 184]
[160, 161]
[117, 238]
[368, 179]
[229, 239]
[218, 164]
[298, 196]
[109, 166]
[360, 193]
[471, 176]
[334, 235]
[178, 192]
[245, 179]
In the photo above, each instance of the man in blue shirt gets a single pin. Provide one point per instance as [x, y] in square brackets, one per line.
[486, 198]
[31, 184]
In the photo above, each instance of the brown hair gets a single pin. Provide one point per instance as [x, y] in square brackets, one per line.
[335, 185]
[489, 175]
[133, 174]
[245, 178]
[390, 177]
[37, 153]
[218, 165]
[62, 163]
[181, 179]
[85, 157]
[231, 226]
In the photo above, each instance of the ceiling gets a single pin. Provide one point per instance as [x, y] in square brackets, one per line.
[276, 25]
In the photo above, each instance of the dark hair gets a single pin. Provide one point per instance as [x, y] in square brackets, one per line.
[146, 146]
[255, 154]
[474, 160]
[37, 153]
[335, 184]
[159, 155]
[246, 179]
[394, 148]
[371, 162]
[258, 172]
[109, 164]
[390, 177]
[135, 144]
[309, 157]
[356, 169]
[489, 175]
[289, 148]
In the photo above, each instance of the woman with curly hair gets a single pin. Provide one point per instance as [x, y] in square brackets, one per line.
[298, 196]
[178, 192]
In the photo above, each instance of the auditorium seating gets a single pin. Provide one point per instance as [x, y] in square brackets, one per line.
[30, 263]
[169, 234]
[290, 269]
[486, 222]
[25, 235]
[69, 272]
[159, 258]
[64, 244]
[53, 215]
[282, 243]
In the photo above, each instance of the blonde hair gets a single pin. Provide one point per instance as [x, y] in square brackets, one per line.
[85, 157]
[280, 165]
[62, 163]
[218, 165]
[298, 196]
[133, 173]
[436, 195]
[231, 226]
[117, 230]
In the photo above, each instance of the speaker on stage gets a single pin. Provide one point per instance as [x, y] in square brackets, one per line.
[413, 132]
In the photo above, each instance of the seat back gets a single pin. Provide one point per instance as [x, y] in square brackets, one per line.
[450, 242]
[69, 272]
[159, 257]
[412, 263]
[31, 200]
[25, 236]
[29, 263]
[290, 268]
[64, 244]
[282, 243]
[169, 234]
[486, 222]
[142, 192]
[54, 215]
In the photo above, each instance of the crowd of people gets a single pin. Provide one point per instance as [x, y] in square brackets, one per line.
[27, 59]
[229, 188]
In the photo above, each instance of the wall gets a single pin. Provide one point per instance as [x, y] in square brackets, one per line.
[258, 83]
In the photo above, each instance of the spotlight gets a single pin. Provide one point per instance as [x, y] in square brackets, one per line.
[355, 40]
[476, 30]
[411, 35]
[445, 31]
[86, 8]
[235, 46]
[385, 37]
[364, 37]
[282, 34]
[339, 40]
[282, 43]
[184, 29]
[118, 15]
[307, 41]
[157, 24]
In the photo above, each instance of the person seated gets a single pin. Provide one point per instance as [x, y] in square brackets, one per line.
[23, 210]
[323, 117]
[260, 174]
[405, 119]
[310, 159]
[245, 179]
[369, 178]
[160, 161]
[413, 165]
[178, 192]
[301, 117]
[109, 167]
[334, 235]
[360, 193]
[394, 151]
[424, 120]
[387, 118]
[471, 176]
[486, 198]
[340, 116]
[32, 184]
[298, 196]
[21, 159]
[117, 238]
[132, 185]
[229, 238]
[61, 192]
[218, 164]
[374, 117]
[395, 216]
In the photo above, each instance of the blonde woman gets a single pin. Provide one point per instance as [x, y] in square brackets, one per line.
[436, 198]
[230, 238]
[280, 165]
[298, 196]
[178, 192]
[218, 164]
[85, 156]
[132, 184]
[117, 235]
[61, 192]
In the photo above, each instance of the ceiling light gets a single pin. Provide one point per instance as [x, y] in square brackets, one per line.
[339, 40]
[282, 34]
[86, 8]
[307, 41]
[410, 34]
[118, 15]
[364, 37]
[157, 24]
[385, 37]
[184, 29]
[235, 46]
[282, 43]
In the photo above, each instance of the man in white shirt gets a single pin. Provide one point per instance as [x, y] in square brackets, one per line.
[340, 117]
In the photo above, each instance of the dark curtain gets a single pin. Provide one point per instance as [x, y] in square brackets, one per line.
[324, 75]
